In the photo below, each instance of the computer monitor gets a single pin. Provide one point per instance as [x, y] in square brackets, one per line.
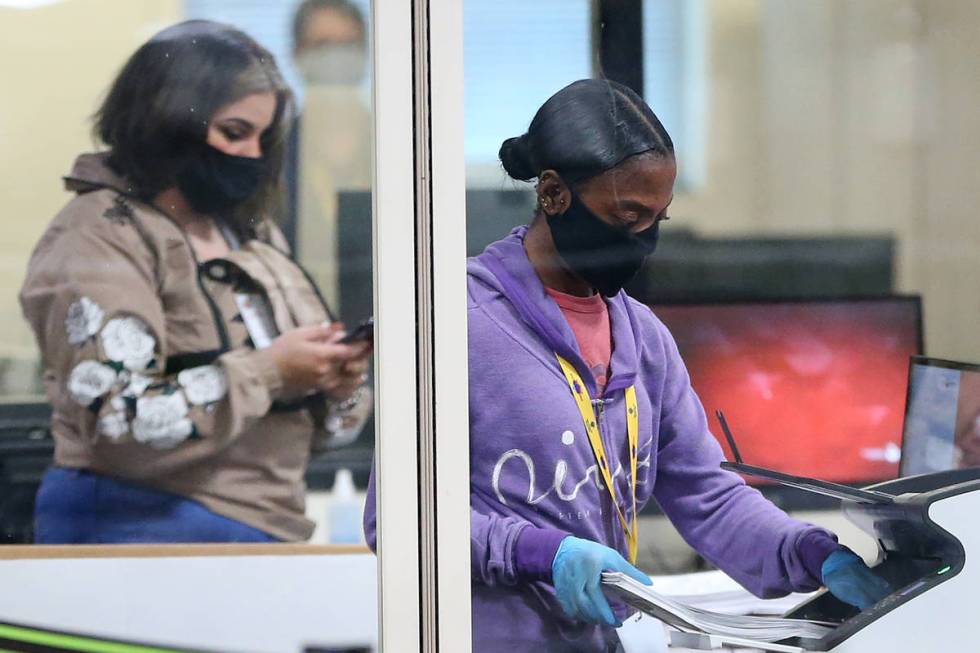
[809, 387]
[942, 419]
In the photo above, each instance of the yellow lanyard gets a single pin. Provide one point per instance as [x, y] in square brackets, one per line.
[584, 402]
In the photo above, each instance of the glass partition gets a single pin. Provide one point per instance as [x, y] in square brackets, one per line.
[187, 279]
[234, 198]
[320, 143]
[638, 171]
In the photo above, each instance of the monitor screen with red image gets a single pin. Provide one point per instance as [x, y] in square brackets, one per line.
[811, 388]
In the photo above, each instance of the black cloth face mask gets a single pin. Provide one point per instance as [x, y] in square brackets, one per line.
[599, 253]
[215, 182]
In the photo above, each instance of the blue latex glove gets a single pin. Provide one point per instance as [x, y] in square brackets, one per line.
[577, 575]
[852, 581]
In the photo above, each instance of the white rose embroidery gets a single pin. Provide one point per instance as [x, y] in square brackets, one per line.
[161, 421]
[83, 321]
[113, 425]
[137, 385]
[203, 385]
[89, 381]
[128, 340]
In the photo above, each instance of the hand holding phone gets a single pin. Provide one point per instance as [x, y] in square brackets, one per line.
[363, 333]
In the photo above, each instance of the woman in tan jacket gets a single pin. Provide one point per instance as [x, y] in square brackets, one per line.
[190, 363]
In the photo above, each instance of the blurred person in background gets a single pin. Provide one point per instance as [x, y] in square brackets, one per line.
[190, 363]
[330, 145]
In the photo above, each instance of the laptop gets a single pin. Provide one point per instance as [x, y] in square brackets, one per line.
[942, 417]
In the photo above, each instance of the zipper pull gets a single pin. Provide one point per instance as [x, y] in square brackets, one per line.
[599, 405]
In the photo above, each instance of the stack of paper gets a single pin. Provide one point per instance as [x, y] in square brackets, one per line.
[718, 592]
[698, 620]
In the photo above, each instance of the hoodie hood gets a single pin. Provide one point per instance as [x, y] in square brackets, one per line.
[91, 171]
[504, 267]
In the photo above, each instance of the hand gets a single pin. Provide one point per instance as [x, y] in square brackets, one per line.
[577, 574]
[351, 375]
[852, 581]
[310, 356]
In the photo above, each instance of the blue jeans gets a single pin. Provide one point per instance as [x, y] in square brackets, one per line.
[75, 506]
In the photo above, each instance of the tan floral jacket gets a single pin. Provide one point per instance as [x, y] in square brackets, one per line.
[150, 369]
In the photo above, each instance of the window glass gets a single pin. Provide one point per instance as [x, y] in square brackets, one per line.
[692, 207]
[188, 190]
[674, 41]
[548, 41]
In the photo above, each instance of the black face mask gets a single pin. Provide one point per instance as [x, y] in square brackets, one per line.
[601, 254]
[215, 182]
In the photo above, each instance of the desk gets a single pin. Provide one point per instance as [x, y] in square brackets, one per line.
[253, 598]
[674, 649]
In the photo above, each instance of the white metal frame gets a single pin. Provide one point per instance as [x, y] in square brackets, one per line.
[420, 307]
[448, 179]
[396, 452]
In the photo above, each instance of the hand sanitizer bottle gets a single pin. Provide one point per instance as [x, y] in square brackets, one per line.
[345, 511]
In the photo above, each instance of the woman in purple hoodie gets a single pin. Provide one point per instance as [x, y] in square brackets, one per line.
[581, 409]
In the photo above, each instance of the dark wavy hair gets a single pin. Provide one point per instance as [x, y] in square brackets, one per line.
[583, 130]
[157, 110]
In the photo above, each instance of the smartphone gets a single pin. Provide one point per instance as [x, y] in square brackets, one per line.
[363, 333]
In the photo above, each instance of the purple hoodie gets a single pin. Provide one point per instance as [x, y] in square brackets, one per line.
[533, 476]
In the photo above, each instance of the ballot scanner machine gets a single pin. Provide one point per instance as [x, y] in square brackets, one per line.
[928, 532]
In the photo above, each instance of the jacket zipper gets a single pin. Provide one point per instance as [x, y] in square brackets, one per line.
[601, 420]
[601, 404]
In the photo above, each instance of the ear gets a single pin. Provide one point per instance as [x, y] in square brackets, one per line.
[554, 196]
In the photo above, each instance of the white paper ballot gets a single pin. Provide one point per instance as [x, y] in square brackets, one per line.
[697, 620]
[718, 592]
[642, 633]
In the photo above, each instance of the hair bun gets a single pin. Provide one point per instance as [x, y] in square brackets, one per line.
[516, 158]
